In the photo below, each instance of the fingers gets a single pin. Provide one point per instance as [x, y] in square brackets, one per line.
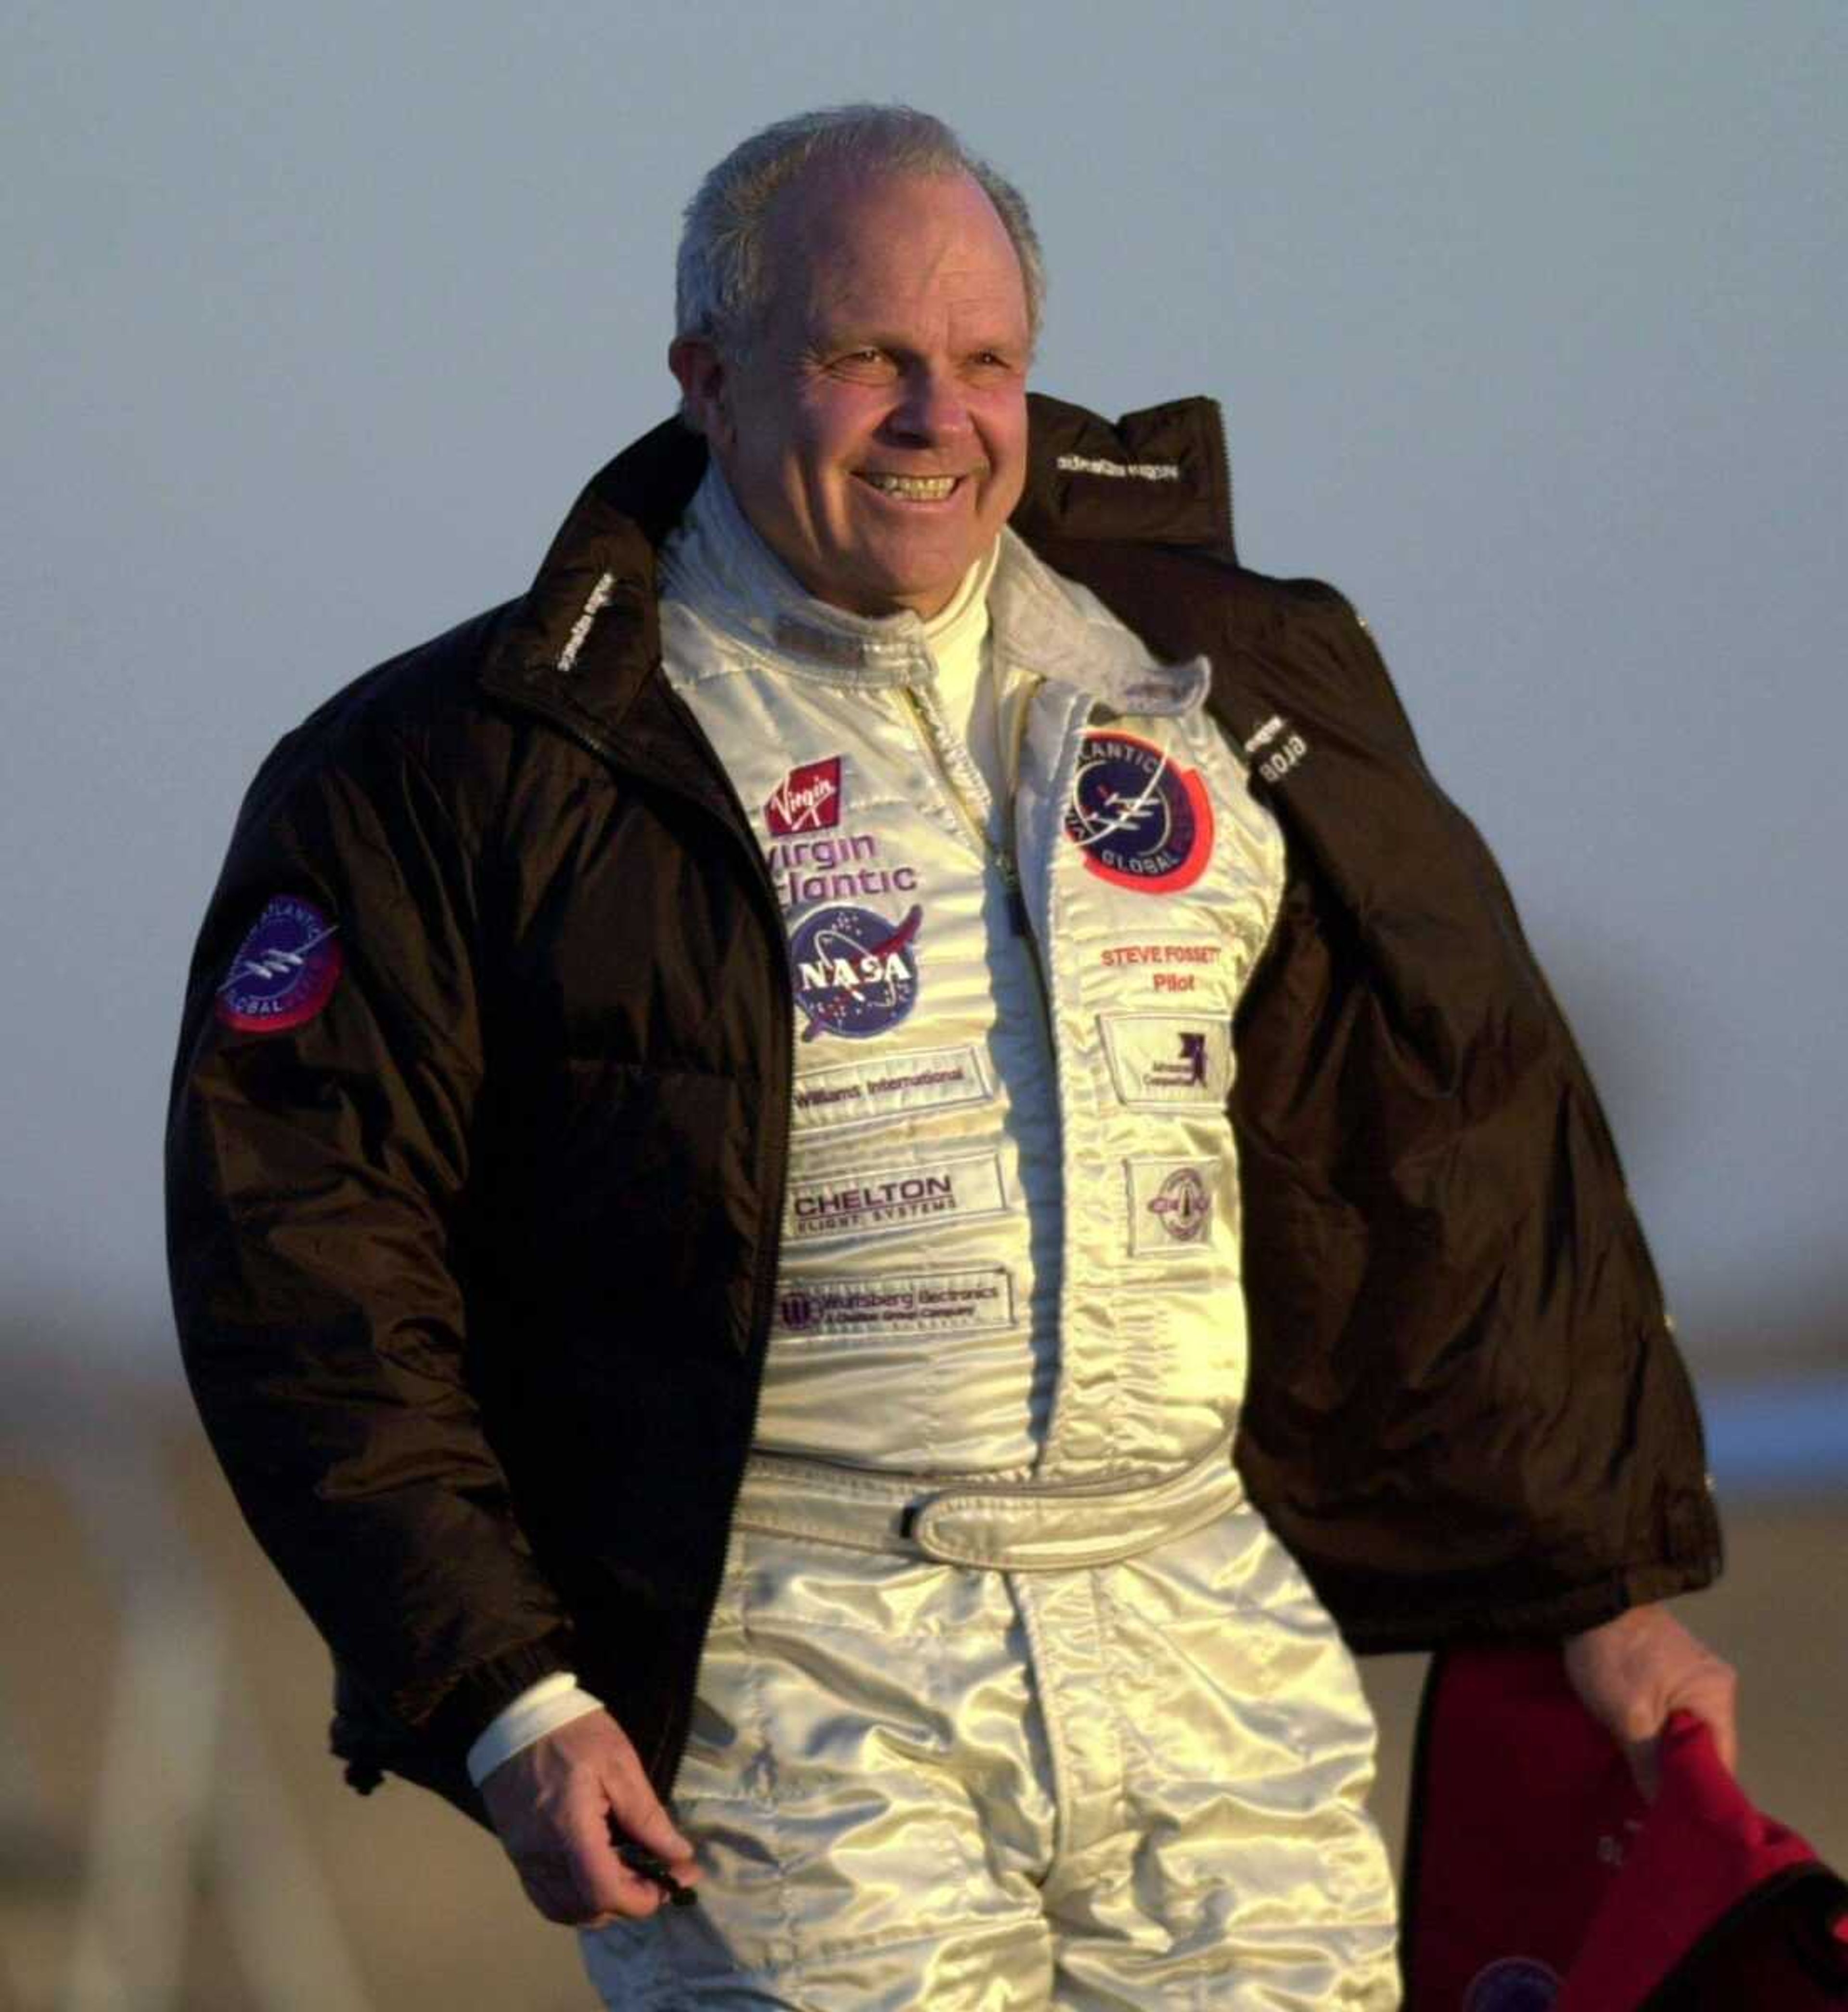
[563, 1805]
[1713, 1696]
[647, 1829]
[645, 1840]
[1645, 1758]
[651, 1866]
[589, 1886]
[1680, 1673]
[555, 1885]
[1632, 1672]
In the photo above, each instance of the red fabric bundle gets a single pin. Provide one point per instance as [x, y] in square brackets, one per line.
[1538, 1879]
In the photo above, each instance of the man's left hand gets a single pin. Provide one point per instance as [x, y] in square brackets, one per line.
[1633, 1671]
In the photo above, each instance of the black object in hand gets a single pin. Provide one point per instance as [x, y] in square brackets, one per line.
[638, 1858]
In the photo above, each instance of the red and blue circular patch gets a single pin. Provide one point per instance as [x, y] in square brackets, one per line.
[285, 970]
[1141, 820]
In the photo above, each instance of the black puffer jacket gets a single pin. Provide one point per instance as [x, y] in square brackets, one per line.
[472, 1265]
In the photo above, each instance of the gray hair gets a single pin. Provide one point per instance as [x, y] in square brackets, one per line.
[722, 283]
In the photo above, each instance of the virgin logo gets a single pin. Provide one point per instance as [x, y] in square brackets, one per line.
[807, 799]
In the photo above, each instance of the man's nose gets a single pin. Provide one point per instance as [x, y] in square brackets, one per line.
[933, 408]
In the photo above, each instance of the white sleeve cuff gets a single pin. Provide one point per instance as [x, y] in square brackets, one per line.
[541, 1708]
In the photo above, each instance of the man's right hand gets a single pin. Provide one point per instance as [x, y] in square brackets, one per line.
[561, 1806]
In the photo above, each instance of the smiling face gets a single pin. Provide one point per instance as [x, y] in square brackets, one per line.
[874, 433]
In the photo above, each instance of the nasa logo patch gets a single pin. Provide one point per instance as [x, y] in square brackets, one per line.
[1515, 1984]
[855, 972]
[285, 970]
[1140, 819]
[807, 799]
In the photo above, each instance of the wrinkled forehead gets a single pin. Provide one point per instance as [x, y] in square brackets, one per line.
[840, 238]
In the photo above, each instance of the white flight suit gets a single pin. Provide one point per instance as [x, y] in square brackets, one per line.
[1009, 1700]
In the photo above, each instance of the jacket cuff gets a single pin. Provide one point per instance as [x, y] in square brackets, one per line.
[480, 1695]
[1546, 1618]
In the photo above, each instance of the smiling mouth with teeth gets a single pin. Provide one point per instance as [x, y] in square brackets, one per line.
[913, 488]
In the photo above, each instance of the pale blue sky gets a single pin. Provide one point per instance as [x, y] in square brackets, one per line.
[1528, 321]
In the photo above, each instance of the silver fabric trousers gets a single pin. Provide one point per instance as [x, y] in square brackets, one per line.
[1091, 1772]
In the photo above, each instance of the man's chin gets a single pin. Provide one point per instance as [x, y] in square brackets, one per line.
[904, 595]
[924, 583]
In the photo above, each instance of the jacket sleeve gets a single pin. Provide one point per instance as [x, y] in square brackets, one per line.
[1468, 1415]
[318, 1168]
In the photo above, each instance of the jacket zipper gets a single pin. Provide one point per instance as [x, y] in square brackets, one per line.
[1222, 459]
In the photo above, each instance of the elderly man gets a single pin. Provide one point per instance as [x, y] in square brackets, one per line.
[706, 1227]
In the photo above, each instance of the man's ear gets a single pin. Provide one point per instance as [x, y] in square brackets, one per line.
[699, 371]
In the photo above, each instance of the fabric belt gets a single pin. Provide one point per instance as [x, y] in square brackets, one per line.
[1025, 1528]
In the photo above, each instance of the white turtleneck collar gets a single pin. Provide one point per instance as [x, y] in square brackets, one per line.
[717, 564]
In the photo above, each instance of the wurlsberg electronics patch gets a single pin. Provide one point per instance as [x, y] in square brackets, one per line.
[854, 971]
[1171, 1206]
[1158, 1060]
[1141, 820]
[875, 1086]
[808, 798]
[882, 1201]
[979, 1300]
[285, 969]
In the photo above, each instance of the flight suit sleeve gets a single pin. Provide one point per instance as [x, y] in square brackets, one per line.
[319, 1181]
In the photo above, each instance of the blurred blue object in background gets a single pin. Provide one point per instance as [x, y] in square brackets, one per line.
[1781, 1435]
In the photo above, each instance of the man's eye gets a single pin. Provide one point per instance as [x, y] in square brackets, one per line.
[863, 363]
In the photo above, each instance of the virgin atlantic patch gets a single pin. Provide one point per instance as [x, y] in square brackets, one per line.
[1140, 819]
[807, 799]
[285, 970]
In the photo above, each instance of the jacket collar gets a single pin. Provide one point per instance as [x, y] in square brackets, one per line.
[581, 643]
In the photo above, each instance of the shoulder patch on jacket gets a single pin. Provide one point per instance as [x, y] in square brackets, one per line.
[285, 969]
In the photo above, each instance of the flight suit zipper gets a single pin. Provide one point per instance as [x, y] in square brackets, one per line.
[1001, 857]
